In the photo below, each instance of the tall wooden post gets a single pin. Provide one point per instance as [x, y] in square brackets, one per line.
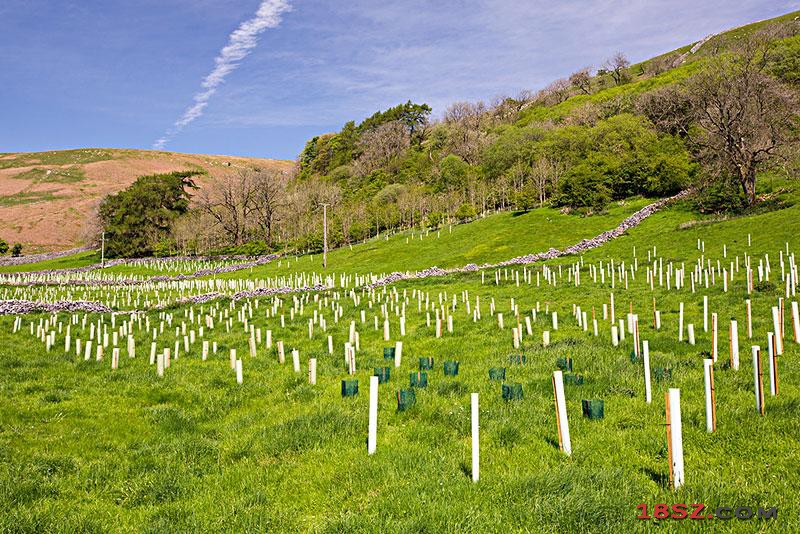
[711, 396]
[758, 379]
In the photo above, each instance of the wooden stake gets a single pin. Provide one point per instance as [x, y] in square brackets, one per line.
[711, 396]
[758, 379]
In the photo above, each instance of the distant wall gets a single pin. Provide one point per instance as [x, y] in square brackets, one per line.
[33, 258]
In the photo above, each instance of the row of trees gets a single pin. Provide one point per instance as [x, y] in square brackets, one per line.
[246, 205]
[428, 184]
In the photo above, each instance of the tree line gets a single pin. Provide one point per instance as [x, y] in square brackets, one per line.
[583, 141]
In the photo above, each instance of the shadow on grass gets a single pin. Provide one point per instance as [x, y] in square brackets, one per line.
[659, 478]
[553, 443]
[467, 470]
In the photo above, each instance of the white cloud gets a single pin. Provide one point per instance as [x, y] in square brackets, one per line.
[240, 43]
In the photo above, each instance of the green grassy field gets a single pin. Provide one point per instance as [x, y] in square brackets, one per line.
[87, 448]
[503, 236]
[497, 237]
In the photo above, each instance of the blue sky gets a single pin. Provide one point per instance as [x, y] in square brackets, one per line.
[121, 73]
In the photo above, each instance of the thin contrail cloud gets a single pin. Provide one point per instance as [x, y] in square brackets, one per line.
[240, 43]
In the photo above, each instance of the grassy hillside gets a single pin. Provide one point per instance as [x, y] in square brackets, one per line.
[504, 236]
[47, 198]
[495, 238]
[643, 80]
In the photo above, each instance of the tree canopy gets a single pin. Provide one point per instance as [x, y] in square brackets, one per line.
[136, 219]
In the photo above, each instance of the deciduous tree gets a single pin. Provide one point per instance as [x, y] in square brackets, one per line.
[617, 67]
[582, 81]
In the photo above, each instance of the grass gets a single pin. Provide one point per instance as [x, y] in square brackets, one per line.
[57, 157]
[26, 197]
[83, 447]
[53, 176]
[497, 237]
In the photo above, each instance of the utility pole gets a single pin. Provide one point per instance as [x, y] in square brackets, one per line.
[325, 235]
[103, 250]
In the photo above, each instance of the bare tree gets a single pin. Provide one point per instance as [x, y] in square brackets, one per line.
[545, 173]
[744, 116]
[464, 123]
[661, 64]
[556, 92]
[586, 115]
[669, 108]
[505, 109]
[194, 231]
[380, 145]
[582, 81]
[467, 114]
[229, 201]
[617, 67]
[736, 116]
[518, 174]
[269, 198]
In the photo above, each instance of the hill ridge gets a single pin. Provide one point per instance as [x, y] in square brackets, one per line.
[47, 198]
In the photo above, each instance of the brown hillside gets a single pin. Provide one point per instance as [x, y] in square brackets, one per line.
[47, 198]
